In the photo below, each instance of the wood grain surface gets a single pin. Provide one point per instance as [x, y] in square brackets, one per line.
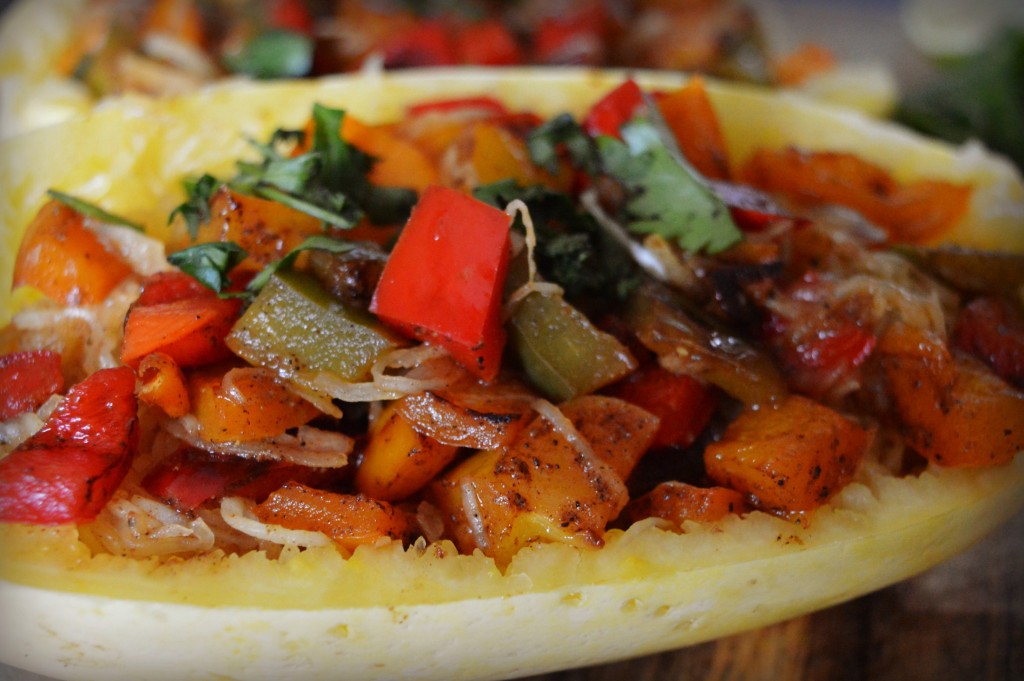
[962, 620]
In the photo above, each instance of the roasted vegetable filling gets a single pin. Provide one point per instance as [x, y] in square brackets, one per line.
[473, 324]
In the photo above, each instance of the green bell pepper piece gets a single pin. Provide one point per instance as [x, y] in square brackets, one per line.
[563, 353]
[294, 326]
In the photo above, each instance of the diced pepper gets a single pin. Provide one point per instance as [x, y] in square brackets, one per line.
[790, 459]
[426, 44]
[68, 470]
[541, 489]
[563, 353]
[65, 260]
[350, 520]
[682, 404]
[244, 404]
[614, 110]
[291, 15]
[28, 379]
[189, 327]
[679, 502]
[189, 477]
[487, 43]
[486, 153]
[398, 461]
[178, 19]
[916, 212]
[444, 278]
[803, 63]
[691, 118]
[952, 410]
[266, 230]
[169, 286]
[992, 330]
[162, 384]
[398, 162]
[824, 339]
[294, 326]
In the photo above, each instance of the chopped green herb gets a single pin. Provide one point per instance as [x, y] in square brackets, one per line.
[546, 140]
[196, 208]
[275, 53]
[666, 196]
[209, 263]
[572, 251]
[93, 211]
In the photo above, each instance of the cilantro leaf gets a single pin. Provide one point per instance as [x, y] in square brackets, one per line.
[666, 196]
[196, 208]
[572, 250]
[209, 263]
[93, 211]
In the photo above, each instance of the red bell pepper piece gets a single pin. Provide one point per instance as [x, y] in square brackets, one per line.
[992, 330]
[824, 342]
[483, 103]
[181, 318]
[577, 36]
[28, 378]
[614, 110]
[68, 471]
[167, 287]
[190, 477]
[291, 15]
[487, 43]
[426, 44]
[683, 404]
[443, 281]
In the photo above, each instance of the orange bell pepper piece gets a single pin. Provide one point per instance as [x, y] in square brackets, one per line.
[398, 461]
[162, 384]
[399, 162]
[65, 260]
[267, 230]
[916, 212]
[692, 119]
[178, 19]
[245, 404]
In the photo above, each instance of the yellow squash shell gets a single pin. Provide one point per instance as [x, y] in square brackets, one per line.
[426, 612]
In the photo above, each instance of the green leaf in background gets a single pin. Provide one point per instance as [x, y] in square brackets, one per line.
[274, 54]
[93, 211]
[979, 96]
